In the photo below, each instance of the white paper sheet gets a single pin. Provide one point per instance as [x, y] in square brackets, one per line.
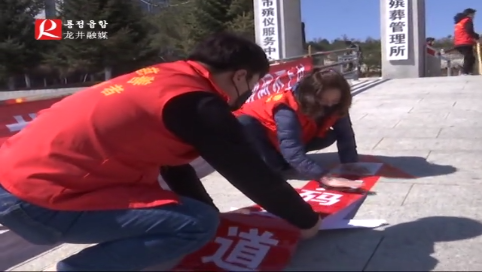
[352, 224]
[335, 222]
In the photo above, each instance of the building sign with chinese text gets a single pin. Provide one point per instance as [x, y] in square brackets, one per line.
[267, 21]
[397, 29]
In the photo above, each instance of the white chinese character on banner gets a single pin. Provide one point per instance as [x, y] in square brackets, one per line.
[264, 88]
[300, 72]
[278, 84]
[246, 254]
[21, 122]
[320, 196]
[291, 75]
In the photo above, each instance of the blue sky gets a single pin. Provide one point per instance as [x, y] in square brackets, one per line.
[359, 19]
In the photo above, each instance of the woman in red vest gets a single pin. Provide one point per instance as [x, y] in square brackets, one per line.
[314, 115]
[86, 170]
[465, 38]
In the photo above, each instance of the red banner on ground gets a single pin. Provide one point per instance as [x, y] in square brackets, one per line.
[222, 254]
[15, 117]
[327, 202]
[246, 243]
[333, 206]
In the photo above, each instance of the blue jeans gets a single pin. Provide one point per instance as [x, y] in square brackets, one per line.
[127, 240]
[258, 137]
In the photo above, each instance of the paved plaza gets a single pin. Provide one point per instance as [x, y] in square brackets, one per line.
[430, 128]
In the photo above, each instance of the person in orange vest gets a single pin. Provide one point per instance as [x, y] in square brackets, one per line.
[285, 126]
[465, 38]
[86, 170]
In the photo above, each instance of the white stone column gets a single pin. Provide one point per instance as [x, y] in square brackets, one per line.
[403, 38]
[290, 22]
[278, 27]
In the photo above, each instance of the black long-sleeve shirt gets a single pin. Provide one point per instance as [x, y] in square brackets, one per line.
[205, 121]
[469, 28]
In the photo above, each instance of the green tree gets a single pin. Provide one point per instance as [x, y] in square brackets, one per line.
[126, 40]
[182, 24]
[372, 55]
[241, 16]
[173, 26]
[319, 45]
[444, 43]
[18, 48]
[74, 53]
[208, 17]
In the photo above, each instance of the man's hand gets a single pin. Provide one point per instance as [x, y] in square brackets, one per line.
[311, 232]
[354, 169]
[337, 182]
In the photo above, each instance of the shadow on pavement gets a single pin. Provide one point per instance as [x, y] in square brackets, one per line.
[15, 250]
[408, 246]
[202, 168]
[407, 166]
[403, 247]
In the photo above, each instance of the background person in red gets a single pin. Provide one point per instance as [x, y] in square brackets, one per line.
[465, 38]
[85, 170]
[284, 126]
[430, 42]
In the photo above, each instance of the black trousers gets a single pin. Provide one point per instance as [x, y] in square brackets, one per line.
[469, 58]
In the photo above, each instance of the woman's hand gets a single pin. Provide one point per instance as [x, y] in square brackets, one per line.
[337, 182]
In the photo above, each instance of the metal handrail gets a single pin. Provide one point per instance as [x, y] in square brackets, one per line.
[438, 53]
[352, 74]
[316, 57]
[313, 54]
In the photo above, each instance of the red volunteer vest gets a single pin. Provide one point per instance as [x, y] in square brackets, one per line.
[461, 37]
[101, 148]
[263, 110]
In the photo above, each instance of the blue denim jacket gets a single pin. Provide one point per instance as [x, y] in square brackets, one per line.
[294, 151]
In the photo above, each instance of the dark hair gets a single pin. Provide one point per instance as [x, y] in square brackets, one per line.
[224, 52]
[430, 39]
[469, 11]
[312, 86]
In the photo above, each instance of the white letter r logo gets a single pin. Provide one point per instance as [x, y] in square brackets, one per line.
[45, 32]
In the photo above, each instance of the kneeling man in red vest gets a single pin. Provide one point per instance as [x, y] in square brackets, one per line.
[85, 171]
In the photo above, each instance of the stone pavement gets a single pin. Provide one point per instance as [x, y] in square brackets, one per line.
[427, 127]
